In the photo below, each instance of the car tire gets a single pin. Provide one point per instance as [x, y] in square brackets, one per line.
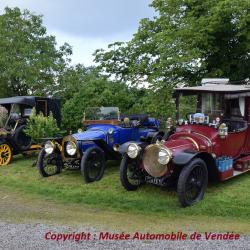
[22, 140]
[124, 178]
[93, 164]
[53, 168]
[193, 177]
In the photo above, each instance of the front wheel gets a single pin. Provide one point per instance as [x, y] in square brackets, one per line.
[129, 174]
[192, 182]
[49, 165]
[93, 164]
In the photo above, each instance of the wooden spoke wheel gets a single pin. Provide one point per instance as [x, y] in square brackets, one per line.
[5, 154]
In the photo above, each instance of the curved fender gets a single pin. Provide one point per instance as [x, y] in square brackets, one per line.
[185, 157]
[150, 135]
[124, 146]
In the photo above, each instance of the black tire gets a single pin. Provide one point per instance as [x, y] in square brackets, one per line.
[22, 140]
[93, 164]
[49, 165]
[192, 182]
[130, 181]
[157, 137]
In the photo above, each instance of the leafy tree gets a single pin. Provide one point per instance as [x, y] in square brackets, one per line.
[73, 78]
[99, 92]
[186, 41]
[30, 63]
[38, 126]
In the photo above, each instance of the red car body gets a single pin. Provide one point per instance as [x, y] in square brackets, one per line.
[213, 143]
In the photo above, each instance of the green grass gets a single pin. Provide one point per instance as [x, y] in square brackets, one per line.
[230, 199]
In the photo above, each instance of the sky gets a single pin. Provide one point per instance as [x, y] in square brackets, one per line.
[87, 25]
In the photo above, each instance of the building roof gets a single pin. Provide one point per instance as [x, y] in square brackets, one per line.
[221, 88]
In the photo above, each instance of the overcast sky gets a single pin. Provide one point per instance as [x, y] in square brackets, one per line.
[87, 24]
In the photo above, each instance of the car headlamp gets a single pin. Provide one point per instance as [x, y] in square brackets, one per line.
[49, 147]
[71, 148]
[164, 156]
[133, 150]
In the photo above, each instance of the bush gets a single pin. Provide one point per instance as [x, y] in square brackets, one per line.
[39, 126]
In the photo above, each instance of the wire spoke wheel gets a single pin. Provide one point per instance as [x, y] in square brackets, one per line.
[93, 164]
[49, 164]
[5, 154]
[192, 182]
[193, 185]
[129, 174]
[132, 173]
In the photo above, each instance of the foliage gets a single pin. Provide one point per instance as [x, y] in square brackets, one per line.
[30, 63]
[3, 116]
[186, 41]
[39, 126]
[73, 79]
[98, 92]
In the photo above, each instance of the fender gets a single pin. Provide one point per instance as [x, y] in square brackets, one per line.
[151, 135]
[109, 153]
[123, 148]
[2, 140]
[186, 157]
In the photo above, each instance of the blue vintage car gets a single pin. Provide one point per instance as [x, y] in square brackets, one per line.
[89, 150]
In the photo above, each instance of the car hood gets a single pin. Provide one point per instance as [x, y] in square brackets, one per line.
[95, 132]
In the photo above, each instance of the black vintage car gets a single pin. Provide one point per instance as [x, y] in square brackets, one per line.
[14, 112]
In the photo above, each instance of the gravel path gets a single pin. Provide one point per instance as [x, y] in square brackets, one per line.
[32, 236]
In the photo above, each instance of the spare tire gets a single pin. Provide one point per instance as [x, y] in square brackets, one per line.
[22, 141]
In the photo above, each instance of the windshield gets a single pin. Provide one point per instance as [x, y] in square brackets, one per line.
[211, 104]
[102, 113]
[3, 116]
[205, 107]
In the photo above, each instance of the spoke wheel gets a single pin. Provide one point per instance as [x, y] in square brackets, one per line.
[129, 174]
[5, 154]
[192, 182]
[49, 165]
[93, 164]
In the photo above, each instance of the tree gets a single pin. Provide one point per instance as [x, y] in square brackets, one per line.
[30, 63]
[186, 41]
[73, 78]
[98, 92]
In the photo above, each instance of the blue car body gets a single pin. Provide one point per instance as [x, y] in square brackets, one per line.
[89, 150]
[105, 136]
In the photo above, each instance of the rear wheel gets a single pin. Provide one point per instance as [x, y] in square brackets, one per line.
[93, 164]
[49, 165]
[192, 182]
[6, 154]
[129, 174]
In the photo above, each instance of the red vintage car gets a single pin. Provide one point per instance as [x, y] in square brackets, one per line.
[211, 143]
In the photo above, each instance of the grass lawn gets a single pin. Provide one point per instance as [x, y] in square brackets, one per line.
[227, 202]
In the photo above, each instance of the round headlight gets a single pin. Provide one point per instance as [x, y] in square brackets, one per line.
[71, 148]
[49, 147]
[164, 156]
[133, 150]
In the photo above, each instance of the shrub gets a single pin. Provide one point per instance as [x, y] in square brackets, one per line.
[38, 126]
